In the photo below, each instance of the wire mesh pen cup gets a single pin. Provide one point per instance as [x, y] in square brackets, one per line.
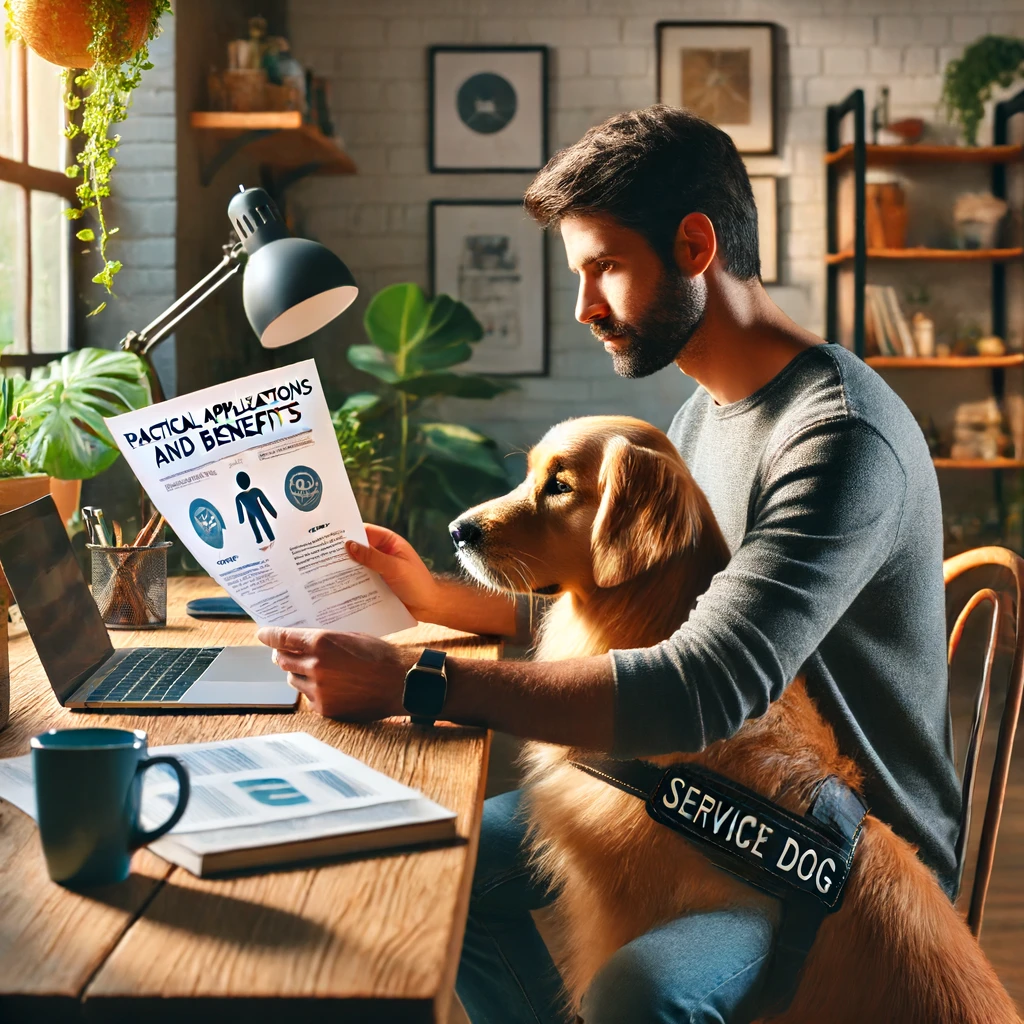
[129, 585]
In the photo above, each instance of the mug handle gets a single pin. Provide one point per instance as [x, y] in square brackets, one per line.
[140, 838]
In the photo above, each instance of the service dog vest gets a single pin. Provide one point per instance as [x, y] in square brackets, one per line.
[805, 861]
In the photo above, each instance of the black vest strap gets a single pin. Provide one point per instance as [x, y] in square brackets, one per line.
[805, 861]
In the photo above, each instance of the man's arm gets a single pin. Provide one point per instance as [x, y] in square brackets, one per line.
[827, 516]
[360, 678]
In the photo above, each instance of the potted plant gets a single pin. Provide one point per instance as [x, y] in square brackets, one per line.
[411, 472]
[54, 435]
[109, 40]
[968, 81]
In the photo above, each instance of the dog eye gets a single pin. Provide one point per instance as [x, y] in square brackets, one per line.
[556, 486]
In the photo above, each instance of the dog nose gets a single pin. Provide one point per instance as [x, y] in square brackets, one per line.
[465, 532]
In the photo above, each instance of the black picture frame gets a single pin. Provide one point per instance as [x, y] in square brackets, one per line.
[774, 35]
[444, 131]
[766, 196]
[536, 356]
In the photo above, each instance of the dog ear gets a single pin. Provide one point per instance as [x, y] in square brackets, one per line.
[650, 510]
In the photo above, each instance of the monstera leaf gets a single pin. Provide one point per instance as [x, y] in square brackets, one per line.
[65, 410]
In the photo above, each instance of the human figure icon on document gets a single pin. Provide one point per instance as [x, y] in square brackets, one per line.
[250, 503]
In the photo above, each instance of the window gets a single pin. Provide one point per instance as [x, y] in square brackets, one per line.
[35, 271]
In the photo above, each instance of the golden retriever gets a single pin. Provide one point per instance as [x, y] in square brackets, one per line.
[610, 519]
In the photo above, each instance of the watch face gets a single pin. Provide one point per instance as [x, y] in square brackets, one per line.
[424, 692]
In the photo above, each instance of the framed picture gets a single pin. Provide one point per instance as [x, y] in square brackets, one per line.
[766, 198]
[488, 108]
[491, 256]
[724, 71]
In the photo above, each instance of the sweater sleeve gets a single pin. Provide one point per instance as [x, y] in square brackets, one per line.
[826, 511]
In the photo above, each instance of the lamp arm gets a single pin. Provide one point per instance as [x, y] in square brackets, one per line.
[150, 341]
[142, 342]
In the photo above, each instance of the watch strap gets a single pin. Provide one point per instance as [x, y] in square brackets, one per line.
[431, 659]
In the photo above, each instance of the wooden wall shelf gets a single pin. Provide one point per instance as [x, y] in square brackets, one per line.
[945, 362]
[979, 463]
[934, 255]
[889, 156]
[277, 139]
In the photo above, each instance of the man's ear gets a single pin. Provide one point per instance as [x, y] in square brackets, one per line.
[650, 510]
[695, 244]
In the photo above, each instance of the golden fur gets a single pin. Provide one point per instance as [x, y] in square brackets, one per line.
[629, 546]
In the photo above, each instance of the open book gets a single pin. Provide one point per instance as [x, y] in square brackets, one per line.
[268, 800]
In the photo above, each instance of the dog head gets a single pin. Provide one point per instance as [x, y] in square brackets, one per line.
[605, 499]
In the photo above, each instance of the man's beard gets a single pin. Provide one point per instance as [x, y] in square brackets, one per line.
[675, 313]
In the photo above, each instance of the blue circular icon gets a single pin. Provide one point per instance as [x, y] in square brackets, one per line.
[303, 488]
[208, 522]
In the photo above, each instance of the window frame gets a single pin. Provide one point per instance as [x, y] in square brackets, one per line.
[31, 179]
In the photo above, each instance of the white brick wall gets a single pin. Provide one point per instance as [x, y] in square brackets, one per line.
[602, 60]
[143, 205]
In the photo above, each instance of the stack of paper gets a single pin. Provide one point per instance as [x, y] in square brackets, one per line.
[266, 800]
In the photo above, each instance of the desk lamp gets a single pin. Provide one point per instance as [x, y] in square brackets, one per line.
[291, 287]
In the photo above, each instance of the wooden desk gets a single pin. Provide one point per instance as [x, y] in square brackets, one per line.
[367, 938]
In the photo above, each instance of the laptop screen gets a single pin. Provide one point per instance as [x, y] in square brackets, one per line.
[56, 604]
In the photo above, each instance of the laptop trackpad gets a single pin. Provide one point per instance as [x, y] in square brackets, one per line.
[242, 675]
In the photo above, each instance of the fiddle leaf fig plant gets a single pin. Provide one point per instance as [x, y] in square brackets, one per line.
[969, 80]
[430, 470]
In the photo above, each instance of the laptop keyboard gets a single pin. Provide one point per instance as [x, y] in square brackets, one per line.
[154, 674]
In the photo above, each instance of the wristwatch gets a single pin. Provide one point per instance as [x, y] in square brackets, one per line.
[426, 686]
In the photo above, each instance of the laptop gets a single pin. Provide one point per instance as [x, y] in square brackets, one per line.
[82, 665]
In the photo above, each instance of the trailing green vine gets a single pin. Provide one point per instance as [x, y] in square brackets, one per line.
[968, 82]
[104, 98]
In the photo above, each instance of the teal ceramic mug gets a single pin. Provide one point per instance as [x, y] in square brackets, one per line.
[88, 791]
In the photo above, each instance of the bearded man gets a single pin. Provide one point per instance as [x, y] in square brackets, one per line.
[824, 489]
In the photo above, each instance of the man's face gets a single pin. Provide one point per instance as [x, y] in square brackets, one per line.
[644, 312]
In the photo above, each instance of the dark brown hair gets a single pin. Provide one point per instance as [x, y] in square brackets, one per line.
[648, 169]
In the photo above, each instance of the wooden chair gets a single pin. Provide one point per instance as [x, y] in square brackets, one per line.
[1010, 604]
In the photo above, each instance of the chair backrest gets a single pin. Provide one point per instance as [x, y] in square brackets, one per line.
[1002, 603]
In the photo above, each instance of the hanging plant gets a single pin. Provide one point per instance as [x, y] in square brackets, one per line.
[968, 82]
[109, 39]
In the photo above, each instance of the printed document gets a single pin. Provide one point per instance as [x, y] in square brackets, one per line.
[249, 476]
[258, 791]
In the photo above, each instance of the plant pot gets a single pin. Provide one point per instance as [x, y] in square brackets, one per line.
[67, 496]
[60, 31]
[16, 491]
[5, 668]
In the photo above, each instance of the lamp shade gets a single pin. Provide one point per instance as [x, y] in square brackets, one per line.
[291, 286]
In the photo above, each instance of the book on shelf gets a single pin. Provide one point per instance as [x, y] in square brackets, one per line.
[885, 326]
[261, 801]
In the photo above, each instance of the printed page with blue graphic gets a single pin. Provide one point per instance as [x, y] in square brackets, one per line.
[261, 791]
[249, 476]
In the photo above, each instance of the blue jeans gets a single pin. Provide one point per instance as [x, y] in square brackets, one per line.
[705, 968]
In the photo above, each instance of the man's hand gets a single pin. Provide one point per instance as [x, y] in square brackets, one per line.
[352, 676]
[465, 606]
[400, 567]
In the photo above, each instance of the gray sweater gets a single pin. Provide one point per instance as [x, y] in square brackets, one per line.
[825, 491]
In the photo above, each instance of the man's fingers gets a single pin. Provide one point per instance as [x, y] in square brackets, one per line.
[369, 556]
[300, 664]
[299, 641]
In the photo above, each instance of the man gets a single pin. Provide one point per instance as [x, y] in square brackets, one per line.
[825, 492]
